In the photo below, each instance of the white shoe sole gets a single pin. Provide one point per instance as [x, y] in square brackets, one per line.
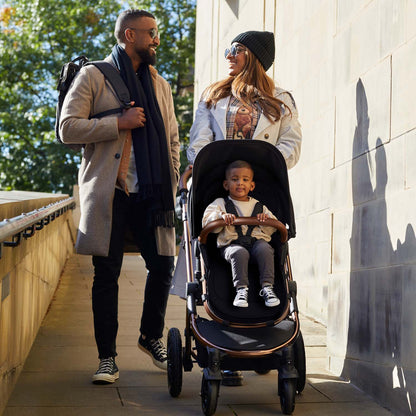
[272, 304]
[105, 378]
[240, 305]
[163, 365]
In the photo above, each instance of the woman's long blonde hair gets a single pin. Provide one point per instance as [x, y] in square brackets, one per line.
[251, 85]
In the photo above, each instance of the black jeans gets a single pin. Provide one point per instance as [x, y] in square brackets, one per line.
[128, 213]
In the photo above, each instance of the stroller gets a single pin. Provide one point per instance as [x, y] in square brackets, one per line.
[256, 338]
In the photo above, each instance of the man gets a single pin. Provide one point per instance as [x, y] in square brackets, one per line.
[127, 182]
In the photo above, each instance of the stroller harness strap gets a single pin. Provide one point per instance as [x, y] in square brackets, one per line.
[245, 240]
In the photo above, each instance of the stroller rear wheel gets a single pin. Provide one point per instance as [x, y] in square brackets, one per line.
[287, 392]
[209, 395]
[174, 348]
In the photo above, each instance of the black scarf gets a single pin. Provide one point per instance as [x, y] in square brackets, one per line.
[149, 142]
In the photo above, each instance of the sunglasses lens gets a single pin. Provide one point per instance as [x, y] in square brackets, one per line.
[226, 52]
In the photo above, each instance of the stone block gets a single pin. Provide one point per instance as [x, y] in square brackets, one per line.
[370, 239]
[410, 156]
[346, 12]
[361, 318]
[403, 89]
[387, 324]
[410, 19]
[376, 89]
[269, 15]
[327, 84]
[322, 261]
[338, 312]
[365, 38]
[394, 387]
[363, 114]
[392, 21]
[5, 330]
[392, 165]
[401, 217]
[340, 186]
[318, 143]
[406, 355]
[341, 52]
[363, 178]
[341, 249]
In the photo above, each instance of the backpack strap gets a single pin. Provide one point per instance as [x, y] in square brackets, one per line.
[114, 78]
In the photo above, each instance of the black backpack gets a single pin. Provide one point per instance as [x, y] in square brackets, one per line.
[68, 72]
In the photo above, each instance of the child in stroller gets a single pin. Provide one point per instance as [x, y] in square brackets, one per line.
[238, 244]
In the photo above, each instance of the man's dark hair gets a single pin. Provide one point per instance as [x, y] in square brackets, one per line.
[125, 20]
[238, 164]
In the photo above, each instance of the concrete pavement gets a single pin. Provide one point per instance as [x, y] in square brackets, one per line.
[57, 373]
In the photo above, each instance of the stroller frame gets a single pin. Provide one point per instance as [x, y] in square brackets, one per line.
[215, 348]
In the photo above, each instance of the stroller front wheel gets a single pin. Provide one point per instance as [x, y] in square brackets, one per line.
[174, 349]
[287, 392]
[209, 395]
[300, 362]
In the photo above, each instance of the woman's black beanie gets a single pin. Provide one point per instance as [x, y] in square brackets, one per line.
[260, 43]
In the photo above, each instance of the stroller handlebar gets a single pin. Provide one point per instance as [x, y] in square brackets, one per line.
[184, 179]
[209, 228]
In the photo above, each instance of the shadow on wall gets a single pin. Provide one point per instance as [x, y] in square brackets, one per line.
[379, 351]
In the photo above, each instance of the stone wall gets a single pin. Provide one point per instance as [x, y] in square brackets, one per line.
[349, 65]
[29, 275]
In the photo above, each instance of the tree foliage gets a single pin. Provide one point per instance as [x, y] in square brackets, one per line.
[36, 38]
[176, 55]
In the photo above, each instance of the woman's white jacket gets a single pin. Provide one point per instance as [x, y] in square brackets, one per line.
[285, 134]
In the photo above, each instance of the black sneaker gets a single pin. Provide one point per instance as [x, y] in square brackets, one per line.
[107, 372]
[270, 298]
[156, 349]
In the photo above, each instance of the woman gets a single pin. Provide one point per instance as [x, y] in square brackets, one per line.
[247, 104]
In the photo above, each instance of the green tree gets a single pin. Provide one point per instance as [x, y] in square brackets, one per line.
[36, 38]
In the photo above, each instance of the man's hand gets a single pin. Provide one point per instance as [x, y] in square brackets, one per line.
[131, 118]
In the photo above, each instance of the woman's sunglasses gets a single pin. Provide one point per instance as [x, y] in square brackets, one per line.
[234, 51]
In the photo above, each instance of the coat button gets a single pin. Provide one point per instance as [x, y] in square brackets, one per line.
[117, 155]
[266, 136]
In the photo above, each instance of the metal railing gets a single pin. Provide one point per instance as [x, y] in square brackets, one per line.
[12, 230]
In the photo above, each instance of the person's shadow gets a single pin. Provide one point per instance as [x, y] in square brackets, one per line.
[380, 335]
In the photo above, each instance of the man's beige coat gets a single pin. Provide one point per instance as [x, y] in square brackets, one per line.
[91, 94]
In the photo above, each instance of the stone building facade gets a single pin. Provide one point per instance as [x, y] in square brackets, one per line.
[350, 66]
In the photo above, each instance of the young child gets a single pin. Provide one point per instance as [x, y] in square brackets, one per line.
[238, 243]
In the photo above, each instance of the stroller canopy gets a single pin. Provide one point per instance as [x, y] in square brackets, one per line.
[270, 177]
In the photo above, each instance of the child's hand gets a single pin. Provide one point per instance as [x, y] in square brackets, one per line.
[228, 218]
[262, 217]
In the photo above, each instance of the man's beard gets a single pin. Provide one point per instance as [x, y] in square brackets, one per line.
[146, 57]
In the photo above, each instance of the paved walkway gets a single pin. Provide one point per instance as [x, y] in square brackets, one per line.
[56, 377]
